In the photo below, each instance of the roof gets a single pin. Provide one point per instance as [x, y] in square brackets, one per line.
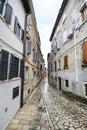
[26, 6]
[64, 3]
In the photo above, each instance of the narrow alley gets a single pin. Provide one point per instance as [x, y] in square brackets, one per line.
[46, 109]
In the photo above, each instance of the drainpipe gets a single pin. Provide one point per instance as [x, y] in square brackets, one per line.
[24, 46]
[76, 67]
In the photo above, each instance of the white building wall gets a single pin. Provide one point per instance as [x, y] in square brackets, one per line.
[6, 101]
[13, 44]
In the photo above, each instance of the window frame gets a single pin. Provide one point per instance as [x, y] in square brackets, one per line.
[66, 83]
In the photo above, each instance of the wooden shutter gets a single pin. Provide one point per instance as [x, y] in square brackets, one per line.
[4, 64]
[85, 52]
[22, 68]
[8, 14]
[65, 61]
[1, 5]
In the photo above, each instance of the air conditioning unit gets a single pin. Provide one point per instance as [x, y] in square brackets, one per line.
[70, 33]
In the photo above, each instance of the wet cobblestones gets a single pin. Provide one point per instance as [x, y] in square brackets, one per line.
[46, 109]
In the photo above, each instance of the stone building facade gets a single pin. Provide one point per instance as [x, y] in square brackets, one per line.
[68, 55]
[33, 55]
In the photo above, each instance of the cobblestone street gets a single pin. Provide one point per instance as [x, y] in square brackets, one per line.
[46, 109]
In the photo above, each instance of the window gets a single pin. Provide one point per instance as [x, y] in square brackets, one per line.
[64, 36]
[15, 92]
[28, 46]
[14, 67]
[55, 65]
[58, 44]
[4, 64]
[33, 73]
[26, 77]
[84, 49]
[85, 89]
[1, 5]
[66, 83]
[51, 67]
[58, 64]
[17, 27]
[34, 55]
[22, 35]
[40, 67]
[8, 14]
[84, 12]
[66, 62]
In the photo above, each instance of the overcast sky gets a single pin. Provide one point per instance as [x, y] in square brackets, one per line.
[46, 12]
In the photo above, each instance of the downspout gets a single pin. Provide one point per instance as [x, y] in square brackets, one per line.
[24, 46]
[76, 67]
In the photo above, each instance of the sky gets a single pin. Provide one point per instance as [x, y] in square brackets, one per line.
[46, 12]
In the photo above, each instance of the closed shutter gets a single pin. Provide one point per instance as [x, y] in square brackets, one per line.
[8, 14]
[1, 5]
[65, 61]
[22, 68]
[17, 27]
[28, 46]
[22, 35]
[85, 52]
[11, 66]
[14, 65]
[4, 64]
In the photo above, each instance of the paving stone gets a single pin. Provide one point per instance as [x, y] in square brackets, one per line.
[46, 109]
